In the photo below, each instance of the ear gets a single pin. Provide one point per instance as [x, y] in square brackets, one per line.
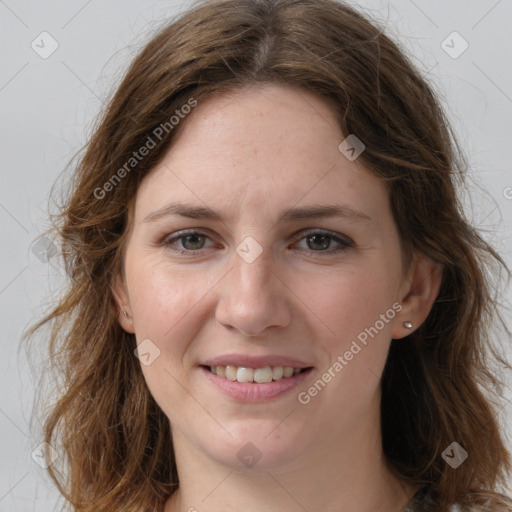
[418, 292]
[123, 304]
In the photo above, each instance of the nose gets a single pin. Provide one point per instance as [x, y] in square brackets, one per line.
[253, 297]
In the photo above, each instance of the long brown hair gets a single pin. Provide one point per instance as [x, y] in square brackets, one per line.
[439, 385]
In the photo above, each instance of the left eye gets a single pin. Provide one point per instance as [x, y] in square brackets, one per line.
[320, 241]
[316, 241]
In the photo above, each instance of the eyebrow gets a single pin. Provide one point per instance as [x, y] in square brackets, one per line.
[306, 212]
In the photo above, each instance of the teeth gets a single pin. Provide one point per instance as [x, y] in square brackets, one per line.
[258, 375]
[245, 375]
[230, 372]
[262, 375]
[277, 372]
[288, 371]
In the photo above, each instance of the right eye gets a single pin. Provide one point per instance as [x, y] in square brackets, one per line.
[188, 242]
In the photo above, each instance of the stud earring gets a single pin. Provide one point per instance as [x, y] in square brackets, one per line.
[408, 325]
[125, 313]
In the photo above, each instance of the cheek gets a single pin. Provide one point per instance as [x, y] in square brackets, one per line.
[355, 311]
[350, 300]
[163, 299]
[167, 306]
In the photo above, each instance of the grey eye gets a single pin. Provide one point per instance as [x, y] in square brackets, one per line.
[193, 242]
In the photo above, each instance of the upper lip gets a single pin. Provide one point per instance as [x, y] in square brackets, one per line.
[246, 361]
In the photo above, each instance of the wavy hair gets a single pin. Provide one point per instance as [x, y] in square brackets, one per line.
[440, 385]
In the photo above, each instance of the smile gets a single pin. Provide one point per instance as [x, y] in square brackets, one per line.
[256, 375]
[245, 384]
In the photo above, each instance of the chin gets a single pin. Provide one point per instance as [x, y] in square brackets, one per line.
[255, 447]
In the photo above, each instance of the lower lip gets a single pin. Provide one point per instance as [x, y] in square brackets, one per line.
[253, 392]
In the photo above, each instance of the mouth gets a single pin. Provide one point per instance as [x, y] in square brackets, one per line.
[260, 375]
[250, 385]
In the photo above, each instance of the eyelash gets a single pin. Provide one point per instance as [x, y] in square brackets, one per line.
[344, 243]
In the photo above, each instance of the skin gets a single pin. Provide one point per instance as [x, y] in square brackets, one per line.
[250, 155]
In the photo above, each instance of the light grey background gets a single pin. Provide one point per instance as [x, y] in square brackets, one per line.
[48, 105]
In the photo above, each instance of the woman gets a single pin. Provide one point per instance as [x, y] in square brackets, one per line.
[276, 302]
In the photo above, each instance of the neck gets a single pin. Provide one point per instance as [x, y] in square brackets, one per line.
[354, 476]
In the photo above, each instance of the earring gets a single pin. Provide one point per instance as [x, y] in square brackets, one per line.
[408, 325]
[125, 313]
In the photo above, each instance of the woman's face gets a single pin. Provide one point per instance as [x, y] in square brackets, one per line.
[258, 245]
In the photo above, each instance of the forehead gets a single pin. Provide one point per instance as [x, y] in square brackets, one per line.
[259, 122]
[264, 148]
